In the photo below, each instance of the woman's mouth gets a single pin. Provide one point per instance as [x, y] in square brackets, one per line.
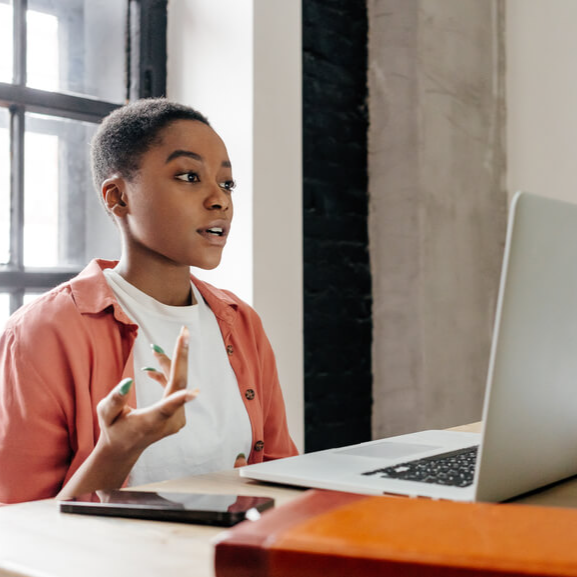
[215, 235]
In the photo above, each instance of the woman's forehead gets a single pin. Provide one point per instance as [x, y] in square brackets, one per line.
[192, 135]
[188, 129]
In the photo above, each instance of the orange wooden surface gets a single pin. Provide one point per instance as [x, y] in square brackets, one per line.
[367, 535]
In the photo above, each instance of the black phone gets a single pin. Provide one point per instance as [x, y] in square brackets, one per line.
[203, 508]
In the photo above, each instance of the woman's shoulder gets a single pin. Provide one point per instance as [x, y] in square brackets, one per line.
[43, 308]
[63, 305]
[38, 331]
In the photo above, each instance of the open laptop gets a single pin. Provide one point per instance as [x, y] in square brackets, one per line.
[529, 433]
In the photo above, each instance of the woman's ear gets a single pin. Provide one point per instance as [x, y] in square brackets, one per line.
[114, 196]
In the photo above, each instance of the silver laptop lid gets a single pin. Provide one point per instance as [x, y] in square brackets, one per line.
[530, 412]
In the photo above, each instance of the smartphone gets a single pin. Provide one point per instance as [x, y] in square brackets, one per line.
[202, 508]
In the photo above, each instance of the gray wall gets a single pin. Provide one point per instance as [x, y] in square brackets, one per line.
[437, 205]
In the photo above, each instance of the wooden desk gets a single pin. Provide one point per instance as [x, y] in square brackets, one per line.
[38, 541]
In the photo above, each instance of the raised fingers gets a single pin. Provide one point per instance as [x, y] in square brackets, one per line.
[114, 404]
[167, 416]
[158, 376]
[178, 377]
[167, 406]
[174, 374]
[162, 358]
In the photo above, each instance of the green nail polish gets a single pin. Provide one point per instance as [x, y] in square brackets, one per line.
[157, 349]
[241, 456]
[124, 386]
[150, 369]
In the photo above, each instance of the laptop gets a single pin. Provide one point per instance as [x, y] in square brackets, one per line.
[529, 433]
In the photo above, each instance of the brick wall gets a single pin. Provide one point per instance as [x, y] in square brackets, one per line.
[337, 278]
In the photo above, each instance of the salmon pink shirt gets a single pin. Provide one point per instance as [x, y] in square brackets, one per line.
[62, 353]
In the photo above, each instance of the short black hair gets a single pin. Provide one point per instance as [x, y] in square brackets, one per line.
[128, 132]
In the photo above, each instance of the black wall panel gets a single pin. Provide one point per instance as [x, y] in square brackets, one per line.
[337, 279]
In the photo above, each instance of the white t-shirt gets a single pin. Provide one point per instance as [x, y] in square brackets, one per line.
[217, 424]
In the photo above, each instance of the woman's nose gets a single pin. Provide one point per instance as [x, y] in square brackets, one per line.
[218, 199]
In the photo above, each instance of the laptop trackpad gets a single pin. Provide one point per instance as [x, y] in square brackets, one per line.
[387, 450]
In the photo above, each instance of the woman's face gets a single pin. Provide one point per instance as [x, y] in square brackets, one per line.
[179, 206]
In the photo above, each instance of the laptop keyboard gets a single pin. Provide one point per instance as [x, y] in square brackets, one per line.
[456, 468]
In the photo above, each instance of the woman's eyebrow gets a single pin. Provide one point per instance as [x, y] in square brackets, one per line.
[188, 153]
[178, 153]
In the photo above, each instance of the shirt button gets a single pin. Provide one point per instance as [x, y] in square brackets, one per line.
[230, 349]
[259, 446]
[249, 394]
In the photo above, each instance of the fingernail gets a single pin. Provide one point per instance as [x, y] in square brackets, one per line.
[151, 369]
[240, 456]
[184, 332]
[124, 386]
[158, 349]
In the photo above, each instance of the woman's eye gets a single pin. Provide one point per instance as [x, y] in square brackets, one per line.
[229, 185]
[188, 177]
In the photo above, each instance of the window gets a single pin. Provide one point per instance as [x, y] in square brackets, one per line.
[64, 65]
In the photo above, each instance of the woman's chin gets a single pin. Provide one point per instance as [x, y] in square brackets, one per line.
[207, 265]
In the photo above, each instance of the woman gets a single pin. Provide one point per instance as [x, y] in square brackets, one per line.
[165, 178]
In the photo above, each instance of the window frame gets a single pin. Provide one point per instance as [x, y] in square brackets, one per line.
[145, 54]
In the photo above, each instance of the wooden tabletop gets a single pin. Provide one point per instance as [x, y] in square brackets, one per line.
[36, 540]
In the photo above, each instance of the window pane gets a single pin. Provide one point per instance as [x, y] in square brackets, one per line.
[6, 54]
[4, 309]
[43, 66]
[77, 46]
[4, 185]
[59, 200]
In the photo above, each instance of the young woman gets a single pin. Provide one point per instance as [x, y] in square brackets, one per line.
[88, 397]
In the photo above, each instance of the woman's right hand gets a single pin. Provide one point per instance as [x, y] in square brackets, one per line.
[125, 432]
[129, 431]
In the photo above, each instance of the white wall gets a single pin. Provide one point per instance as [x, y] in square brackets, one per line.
[210, 68]
[542, 97]
[277, 200]
[239, 62]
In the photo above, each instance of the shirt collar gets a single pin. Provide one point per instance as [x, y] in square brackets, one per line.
[222, 303]
[92, 294]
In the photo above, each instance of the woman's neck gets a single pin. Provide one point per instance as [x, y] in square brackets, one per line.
[168, 284]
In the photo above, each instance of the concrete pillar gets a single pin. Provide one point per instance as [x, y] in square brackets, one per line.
[437, 206]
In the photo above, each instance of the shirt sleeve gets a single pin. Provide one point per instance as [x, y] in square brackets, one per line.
[34, 441]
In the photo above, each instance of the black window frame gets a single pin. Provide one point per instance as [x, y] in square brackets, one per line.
[145, 65]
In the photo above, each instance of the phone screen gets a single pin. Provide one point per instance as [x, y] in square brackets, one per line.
[203, 508]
